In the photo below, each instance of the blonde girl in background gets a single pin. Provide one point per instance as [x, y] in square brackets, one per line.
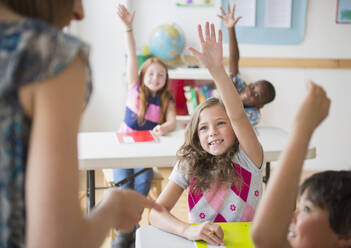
[150, 106]
[220, 161]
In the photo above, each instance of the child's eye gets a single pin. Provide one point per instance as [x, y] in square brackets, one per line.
[306, 209]
[252, 86]
[221, 123]
[202, 128]
[256, 95]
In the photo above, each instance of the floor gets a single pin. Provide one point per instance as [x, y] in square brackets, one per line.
[180, 209]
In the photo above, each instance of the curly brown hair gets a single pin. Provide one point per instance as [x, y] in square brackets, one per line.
[166, 95]
[198, 164]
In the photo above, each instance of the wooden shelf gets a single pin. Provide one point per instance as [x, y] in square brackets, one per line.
[296, 63]
[320, 63]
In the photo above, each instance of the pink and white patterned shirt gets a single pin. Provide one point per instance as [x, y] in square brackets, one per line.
[221, 202]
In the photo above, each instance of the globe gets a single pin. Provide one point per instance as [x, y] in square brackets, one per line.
[166, 41]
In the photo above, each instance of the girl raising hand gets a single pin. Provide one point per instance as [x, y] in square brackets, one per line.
[220, 160]
[150, 106]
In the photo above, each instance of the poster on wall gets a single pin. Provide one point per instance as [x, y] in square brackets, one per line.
[195, 3]
[343, 11]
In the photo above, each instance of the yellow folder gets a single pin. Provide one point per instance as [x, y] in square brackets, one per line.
[236, 235]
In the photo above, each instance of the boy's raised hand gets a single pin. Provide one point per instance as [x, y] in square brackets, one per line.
[228, 18]
[211, 50]
[125, 15]
[313, 110]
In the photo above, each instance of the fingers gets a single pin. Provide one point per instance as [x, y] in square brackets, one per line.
[213, 32]
[194, 51]
[121, 9]
[220, 36]
[213, 234]
[207, 31]
[315, 89]
[237, 20]
[222, 11]
[126, 16]
[320, 93]
[212, 239]
[218, 231]
[199, 30]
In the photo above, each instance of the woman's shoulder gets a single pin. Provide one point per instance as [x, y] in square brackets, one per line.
[36, 50]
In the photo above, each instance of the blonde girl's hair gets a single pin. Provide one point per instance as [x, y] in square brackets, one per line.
[165, 95]
[198, 164]
[51, 11]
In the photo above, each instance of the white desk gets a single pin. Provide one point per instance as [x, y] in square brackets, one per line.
[153, 237]
[102, 151]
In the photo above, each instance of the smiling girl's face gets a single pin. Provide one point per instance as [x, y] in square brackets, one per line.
[215, 132]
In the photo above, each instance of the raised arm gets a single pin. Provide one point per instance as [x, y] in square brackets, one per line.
[234, 55]
[168, 222]
[52, 177]
[211, 57]
[132, 61]
[276, 208]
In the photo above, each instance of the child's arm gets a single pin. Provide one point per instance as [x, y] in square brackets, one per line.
[276, 208]
[234, 55]
[132, 61]
[209, 232]
[211, 57]
[170, 123]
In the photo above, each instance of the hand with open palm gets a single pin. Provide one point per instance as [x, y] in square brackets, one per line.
[211, 50]
[126, 17]
[228, 18]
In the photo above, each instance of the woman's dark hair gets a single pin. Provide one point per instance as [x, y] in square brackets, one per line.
[51, 11]
[331, 190]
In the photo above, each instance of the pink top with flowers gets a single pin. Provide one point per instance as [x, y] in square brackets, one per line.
[224, 203]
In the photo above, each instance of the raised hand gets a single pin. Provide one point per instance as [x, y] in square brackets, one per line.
[210, 232]
[314, 108]
[228, 18]
[126, 17]
[211, 50]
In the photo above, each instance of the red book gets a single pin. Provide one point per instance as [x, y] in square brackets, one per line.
[136, 136]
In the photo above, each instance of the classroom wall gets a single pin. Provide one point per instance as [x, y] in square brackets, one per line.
[323, 39]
